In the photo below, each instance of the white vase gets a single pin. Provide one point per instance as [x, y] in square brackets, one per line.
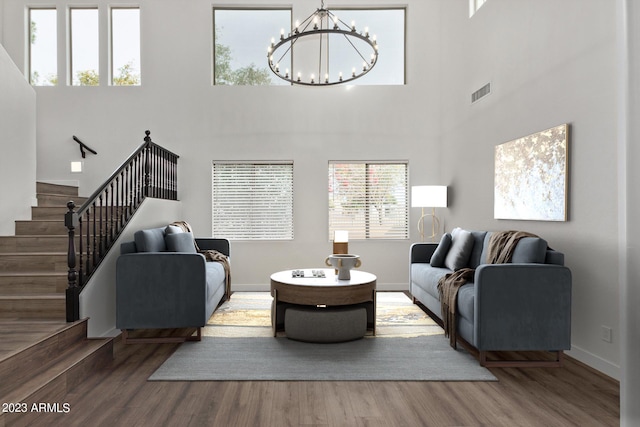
[343, 263]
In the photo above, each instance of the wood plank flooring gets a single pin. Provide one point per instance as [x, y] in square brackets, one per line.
[120, 395]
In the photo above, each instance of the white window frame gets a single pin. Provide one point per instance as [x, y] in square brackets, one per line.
[252, 200]
[367, 221]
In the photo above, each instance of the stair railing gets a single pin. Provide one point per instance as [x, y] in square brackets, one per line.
[151, 171]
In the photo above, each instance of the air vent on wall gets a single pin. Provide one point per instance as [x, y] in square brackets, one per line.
[483, 91]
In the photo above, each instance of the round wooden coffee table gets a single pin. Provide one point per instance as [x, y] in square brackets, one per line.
[325, 291]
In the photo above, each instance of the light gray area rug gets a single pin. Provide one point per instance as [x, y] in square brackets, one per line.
[423, 358]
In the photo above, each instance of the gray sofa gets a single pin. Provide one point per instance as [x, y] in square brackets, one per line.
[163, 282]
[523, 305]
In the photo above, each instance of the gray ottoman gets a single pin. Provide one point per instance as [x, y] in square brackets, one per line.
[325, 325]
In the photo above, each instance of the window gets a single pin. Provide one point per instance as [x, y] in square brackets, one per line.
[125, 46]
[253, 200]
[369, 199]
[238, 59]
[474, 5]
[388, 25]
[84, 47]
[43, 51]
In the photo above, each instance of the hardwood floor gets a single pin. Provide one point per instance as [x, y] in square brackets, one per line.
[120, 395]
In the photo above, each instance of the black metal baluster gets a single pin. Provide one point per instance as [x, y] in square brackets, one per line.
[147, 167]
[112, 218]
[80, 269]
[88, 264]
[94, 251]
[100, 229]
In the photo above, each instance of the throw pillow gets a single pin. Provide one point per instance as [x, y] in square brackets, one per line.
[151, 240]
[439, 255]
[460, 251]
[530, 249]
[173, 229]
[180, 242]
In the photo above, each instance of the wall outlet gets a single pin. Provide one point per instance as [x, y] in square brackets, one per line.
[606, 334]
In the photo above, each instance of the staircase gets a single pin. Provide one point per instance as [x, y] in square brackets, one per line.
[33, 263]
[41, 355]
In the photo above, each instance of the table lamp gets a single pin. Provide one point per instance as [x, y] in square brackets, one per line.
[429, 196]
[341, 242]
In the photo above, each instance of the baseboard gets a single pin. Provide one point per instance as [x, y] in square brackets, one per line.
[262, 287]
[112, 333]
[596, 362]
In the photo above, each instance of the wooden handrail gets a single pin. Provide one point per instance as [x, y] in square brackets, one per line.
[151, 171]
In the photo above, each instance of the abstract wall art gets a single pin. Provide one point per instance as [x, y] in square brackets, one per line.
[531, 176]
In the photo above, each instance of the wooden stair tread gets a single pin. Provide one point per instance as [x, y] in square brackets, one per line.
[74, 355]
[38, 330]
[33, 273]
[48, 357]
[40, 220]
[19, 297]
[33, 236]
[33, 253]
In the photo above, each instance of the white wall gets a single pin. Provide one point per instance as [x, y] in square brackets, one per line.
[549, 62]
[18, 145]
[201, 123]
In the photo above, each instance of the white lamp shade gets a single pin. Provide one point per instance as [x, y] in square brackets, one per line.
[341, 236]
[429, 196]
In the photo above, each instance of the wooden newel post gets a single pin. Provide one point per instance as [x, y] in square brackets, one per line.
[73, 291]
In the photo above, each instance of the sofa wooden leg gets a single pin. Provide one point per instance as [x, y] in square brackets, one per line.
[160, 340]
[555, 363]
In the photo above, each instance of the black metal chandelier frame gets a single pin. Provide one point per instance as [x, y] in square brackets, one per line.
[319, 23]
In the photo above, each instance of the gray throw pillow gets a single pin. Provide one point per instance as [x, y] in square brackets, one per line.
[438, 257]
[180, 242]
[173, 229]
[150, 240]
[530, 249]
[460, 251]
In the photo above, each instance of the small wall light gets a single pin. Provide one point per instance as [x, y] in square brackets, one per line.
[76, 167]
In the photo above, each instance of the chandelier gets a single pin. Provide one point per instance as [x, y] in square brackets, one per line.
[320, 66]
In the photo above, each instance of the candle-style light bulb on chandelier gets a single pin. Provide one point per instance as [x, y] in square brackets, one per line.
[359, 49]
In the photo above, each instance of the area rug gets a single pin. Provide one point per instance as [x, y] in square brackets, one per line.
[424, 358]
[238, 345]
[248, 314]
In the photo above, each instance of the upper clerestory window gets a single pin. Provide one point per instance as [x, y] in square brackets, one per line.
[125, 46]
[43, 47]
[241, 37]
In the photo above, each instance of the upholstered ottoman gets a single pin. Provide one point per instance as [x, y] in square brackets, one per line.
[325, 325]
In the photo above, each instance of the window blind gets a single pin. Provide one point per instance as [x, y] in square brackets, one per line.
[253, 200]
[369, 199]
